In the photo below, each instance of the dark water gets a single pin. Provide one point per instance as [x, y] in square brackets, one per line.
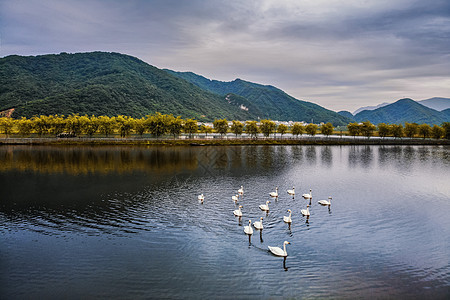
[125, 222]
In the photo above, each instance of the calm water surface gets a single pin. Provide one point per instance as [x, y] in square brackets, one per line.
[125, 222]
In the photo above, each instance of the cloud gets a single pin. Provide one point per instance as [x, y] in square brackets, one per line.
[341, 55]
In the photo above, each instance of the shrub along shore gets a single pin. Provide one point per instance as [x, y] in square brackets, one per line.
[159, 129]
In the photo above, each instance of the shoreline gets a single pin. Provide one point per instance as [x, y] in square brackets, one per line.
[222, 141]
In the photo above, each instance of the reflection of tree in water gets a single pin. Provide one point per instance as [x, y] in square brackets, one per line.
[84, 160]
[326, 156]
[267, 156]
[297, 153]
[311, 155]
[360, 155]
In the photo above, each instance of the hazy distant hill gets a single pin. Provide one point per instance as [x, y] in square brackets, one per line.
[404, 110]
[436, 103]
[104, 84]
[271, 101]
[370, 107]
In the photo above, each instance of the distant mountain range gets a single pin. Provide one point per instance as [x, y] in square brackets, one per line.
[101, 83]
[268, 101]
[405, 110]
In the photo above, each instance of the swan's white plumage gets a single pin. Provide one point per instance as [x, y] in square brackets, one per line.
[259, 225]
[265, 206]
[201, 197]
[288, 219]
[238, 211]
[305, 212]
[241, 190]
[278, 251]
[325, 202]
[308, 196]
[235, 198]
[274, 194]
[248, 229]
[291, 192]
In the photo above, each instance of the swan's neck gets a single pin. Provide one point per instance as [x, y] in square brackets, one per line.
[284, 248]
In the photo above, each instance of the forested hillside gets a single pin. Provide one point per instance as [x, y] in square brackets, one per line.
[101, 83]
[273, 102]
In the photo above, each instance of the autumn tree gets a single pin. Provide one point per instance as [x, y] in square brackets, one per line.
[237, 128]
[282, 129]
[190, 127]
[267, 127]
[397, 130]
[424, 130]
[410, 129]
[175, 125]
[205, 129]
[221, 126]
[311, 129]
[327, 129]
[106, 125]
[383, 130]
[6, 125]
[251, 128]
[354, 129]
[367, 129]
[437, 131]
[298, 129]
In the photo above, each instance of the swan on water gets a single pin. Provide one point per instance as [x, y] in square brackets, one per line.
[238, 211]
[235, 198]
[241, 190]
[308, 196]
[201, 197]
[265, 206]
[288, 219]
[291, 192]
[325, 202]
[259, 225]
[278, 251]
[274, 194]
[248, 229]
[305, 212]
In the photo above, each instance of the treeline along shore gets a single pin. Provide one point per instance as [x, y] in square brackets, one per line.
[160, 129]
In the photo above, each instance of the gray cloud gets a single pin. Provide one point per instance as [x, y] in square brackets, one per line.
[341, 55]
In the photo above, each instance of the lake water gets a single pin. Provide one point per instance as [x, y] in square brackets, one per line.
[125, 222]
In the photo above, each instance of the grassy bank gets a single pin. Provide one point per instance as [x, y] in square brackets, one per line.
[222, 142]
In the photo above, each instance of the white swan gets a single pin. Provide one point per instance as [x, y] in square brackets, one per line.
[288, 219]
[248, 229]
[259, 225]
[291, 192]
[308, 196]
[201, 197]
[305, 212]
[274, 194]
[241, 190]
[265, 206]
[238, 211]
[235, 198]
[325, 202]
[278, 251]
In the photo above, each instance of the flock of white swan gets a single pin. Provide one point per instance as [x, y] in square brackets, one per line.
[265, 207]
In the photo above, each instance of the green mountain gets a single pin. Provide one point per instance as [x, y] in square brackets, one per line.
[102, 83]
[346, 113]
[404, 110]
[272, 103]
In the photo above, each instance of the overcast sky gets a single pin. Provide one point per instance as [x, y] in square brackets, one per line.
[339, 54]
